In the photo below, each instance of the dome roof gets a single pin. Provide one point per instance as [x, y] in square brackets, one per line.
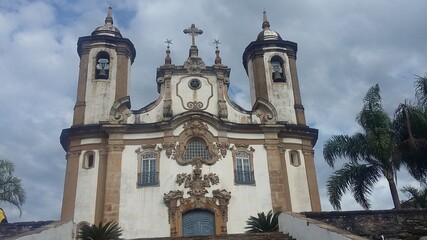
[267, 33]
[108, 29]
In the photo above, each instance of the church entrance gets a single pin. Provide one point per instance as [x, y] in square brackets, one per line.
[198, 222]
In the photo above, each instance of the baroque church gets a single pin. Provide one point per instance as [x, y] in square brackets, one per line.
[192, 162]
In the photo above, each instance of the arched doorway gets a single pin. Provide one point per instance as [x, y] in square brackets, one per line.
[198, 222]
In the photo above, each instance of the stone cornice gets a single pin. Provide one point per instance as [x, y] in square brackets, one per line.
[255, 48]
[123, 45]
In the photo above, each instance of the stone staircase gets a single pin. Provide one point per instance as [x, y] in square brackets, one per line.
[245, 236]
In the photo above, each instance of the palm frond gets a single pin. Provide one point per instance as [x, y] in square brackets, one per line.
[353, 147]
[372, 99]
[417, 197]
[410, 137]
[263, 222]
[355, 177]
[109, 231]
[421, 91]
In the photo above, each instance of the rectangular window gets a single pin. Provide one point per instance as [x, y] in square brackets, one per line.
[243, 173]
[148, 174]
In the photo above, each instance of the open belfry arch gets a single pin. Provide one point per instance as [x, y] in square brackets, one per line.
[193, 162]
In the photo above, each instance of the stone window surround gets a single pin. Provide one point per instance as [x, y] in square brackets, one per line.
[277, 58]
[85, 162]
[236, 148]
[140, 152]
[294, 158]
[101, 54]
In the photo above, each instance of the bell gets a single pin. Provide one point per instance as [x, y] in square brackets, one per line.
[103, 73]
[277, 76]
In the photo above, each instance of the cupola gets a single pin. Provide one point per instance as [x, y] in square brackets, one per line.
[108, 29]
[267, 33]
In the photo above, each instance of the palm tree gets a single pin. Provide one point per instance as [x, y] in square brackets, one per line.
[417, 197]
[371, 154]
[11, 190]
[410, 125]
[109, 231]
[263, 223]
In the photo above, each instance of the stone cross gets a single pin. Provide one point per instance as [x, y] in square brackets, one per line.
[193, 31]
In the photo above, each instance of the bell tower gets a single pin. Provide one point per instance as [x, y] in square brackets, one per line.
[105, 61]
[270, 63]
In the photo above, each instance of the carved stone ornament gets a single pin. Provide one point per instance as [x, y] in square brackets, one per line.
[169, 149]
[145, 147]
[265, 111]
[160, 80]
[194, 65]
[120, 111]
[178, 205]
[195, 105]
[195, 127]
[73, 154]
[222, 147]
[167, 109]
[222, 109]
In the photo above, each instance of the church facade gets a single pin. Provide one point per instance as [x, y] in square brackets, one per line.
[192, 162]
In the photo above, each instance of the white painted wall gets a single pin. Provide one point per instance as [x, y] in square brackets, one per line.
[298, 185]
[280, 95]
[63, 232]
[302, 228]
[151, 219]
[100, 94]
[182, 94]
[87, 181]
[90, 141]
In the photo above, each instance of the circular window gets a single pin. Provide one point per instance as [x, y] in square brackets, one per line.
[194, 84]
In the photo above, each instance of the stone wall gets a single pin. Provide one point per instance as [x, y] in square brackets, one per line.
[391, 224]
[8, 230]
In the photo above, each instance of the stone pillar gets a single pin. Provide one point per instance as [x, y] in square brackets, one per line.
[79, 108]
[284, 179]
[122, 76]
[299, 108]
[313, 188]
[278, 196]
[113, 176]
[70, 185]
[100, 191]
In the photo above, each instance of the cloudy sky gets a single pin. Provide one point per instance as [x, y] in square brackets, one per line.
[345, 47]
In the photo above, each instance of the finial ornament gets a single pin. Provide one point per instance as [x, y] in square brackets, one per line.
[193, 31]
[109, 18]
[265, 23]
[168, 59]
[217, 57]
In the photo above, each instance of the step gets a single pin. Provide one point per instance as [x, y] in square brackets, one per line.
[246, 236]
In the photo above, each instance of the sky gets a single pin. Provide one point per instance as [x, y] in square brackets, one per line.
[344, 48]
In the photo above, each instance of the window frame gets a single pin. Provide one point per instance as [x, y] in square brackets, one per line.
[281, 62]
[151, 177]
[242, 176]
[294, 158]
[86, 160]
[102, 55]
[207, 154]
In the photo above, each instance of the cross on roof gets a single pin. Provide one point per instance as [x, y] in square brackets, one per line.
[168, 42]
[216, 42]
[193, 31]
